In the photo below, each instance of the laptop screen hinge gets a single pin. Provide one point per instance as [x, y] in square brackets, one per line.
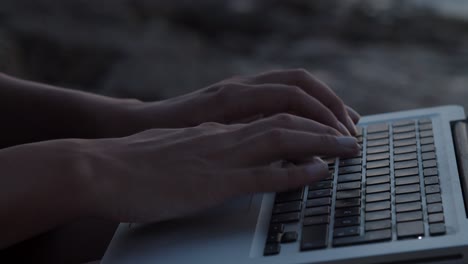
[460, 138]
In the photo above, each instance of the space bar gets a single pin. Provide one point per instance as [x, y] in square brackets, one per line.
[371, 236]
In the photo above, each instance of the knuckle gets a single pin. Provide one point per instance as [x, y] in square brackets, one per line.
[300, 72]
[284, 119]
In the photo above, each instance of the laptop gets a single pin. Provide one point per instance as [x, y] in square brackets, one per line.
[403, 200]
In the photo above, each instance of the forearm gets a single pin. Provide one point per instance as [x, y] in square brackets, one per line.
[32, 112]
[44, 185]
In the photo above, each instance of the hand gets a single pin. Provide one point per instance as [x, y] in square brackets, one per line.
[247, 98]
[160, 174]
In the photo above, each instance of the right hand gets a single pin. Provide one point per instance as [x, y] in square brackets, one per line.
[161, 174]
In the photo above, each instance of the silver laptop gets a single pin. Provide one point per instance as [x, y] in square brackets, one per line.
[401, 201]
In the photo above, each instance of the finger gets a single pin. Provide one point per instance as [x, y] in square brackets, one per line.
[286, 121]
[284, 144]
[312, 86]
[269, 99]
[270, 179]
[355, 116]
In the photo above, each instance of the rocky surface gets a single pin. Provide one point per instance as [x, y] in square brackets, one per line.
[378, 55]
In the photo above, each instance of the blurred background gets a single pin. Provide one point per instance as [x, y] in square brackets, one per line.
[379, 55]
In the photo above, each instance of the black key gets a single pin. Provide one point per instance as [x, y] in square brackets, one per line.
[352, 211]
[272, 249]
[319, 193]
[433, 198]
[403, 129]
[373, 150]
[410, 229]
[405, 164]
[437, 229]
[378, 142]
[410, 188]
[402, 150]
[429, 163]
[427, 133]
[376, 225]
[406, 156]
[349, 177]
[428, 155]
[346, 231]
[374, 197]
[348, 194]
[382, 205]
[273, 237]
[276, 228]
[348, 203]
[347, 221]
[377, 135]
[314, 237]
[285, 218]
[427, 140]
[406, 135]
[435, 208]
[374, 128]
[425, 121]
[425, 127]
[378, 188]
[403, 123]
[350, 169]
[316, 220]
[427, 148]
[350, 162]
[431, 180]
[287, 207]
[378, 164]
[377, 172]
[378, 156]
[430, 172]
[318, 202]
[407, 207]
[378, 215]
[432, 189]
[289, 196]
[321, 185]
[407, 197]
[436, 218]
[369, 237]
[320, 210]
[378, 180]
[348, 186]
[406, 172]
[288, 237]
[404, 142]
[409, 216]
[406, 180]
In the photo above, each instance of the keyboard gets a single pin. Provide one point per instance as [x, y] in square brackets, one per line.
[390, 192]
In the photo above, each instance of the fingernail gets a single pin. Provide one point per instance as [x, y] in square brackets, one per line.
[352, 126]
[343, 129]
[348, 142]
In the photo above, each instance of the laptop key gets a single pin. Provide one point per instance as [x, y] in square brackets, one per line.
[271, 249]
[379, 135]
[317, 211]
[406, 156]
[318, 202]
[435, 208]
[319, 193]
[287, 207]
[348, 203]
[352, 211]
[377, 172]
[378, 142]
[406, 172]
[407, 188]
[431, 180]
[273, 237]
[276, 228]
[410, 229]
[406, 149]
[407, 207]
[350, 162]
[406, 180]
[289, 237]
[425, 120]
[429, 163]
[374, 128]
[376, 225]
[433, 198]
[427, 140]
[409, 216]
[285, 218]
[378, 188]
[407, 197]
[346, 231]
[348, 194]
[349, 177]
[369, 237]
[403, 129]
[378, 156]
[378, 164]
[437, 229]
[428, 155]
[321, 185]
[348, 186]
[406, 135]
[427, 133]
[374, 197]
[296, 195]
[378, 215]
[376, 206]
[430, 189]
[377, 180]
[427, 148]
[314, 237]
[430, 172]
[350, 169]
[316, 220]
[379, 149]
[436, 218]
[405, 164]
[404, 142]
[403, 123]
[347, 221]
